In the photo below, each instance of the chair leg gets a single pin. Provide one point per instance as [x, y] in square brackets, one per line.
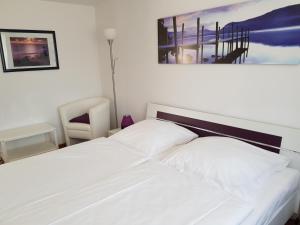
[68, 140]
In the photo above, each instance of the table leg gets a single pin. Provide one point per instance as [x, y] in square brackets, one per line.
[54, 137]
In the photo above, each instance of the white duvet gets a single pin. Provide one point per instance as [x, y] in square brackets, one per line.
[103, 182]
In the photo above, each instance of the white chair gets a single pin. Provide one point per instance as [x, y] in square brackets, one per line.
[98, 110]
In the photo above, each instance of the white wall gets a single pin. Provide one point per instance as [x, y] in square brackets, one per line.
[31, 97]
[263, 93]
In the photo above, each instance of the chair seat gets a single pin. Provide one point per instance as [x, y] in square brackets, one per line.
[78, 126]
[79, 130]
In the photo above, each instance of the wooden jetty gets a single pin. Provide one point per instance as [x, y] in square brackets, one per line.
[231, 45]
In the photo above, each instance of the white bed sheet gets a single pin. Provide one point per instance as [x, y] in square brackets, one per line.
[148, 194]
[40, 177]
[279, 189]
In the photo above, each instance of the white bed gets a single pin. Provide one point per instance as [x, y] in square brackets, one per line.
[106, 182]
[103, 182]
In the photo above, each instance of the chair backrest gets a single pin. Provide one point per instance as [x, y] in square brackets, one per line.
[79, 107]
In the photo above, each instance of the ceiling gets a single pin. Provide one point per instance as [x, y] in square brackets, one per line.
[82, 2]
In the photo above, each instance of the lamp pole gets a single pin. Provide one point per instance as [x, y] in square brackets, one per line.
[113, 65]
[110, 34]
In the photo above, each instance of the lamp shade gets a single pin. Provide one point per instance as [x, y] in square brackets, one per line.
[110, 33]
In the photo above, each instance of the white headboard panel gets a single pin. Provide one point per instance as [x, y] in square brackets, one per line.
[290, 144]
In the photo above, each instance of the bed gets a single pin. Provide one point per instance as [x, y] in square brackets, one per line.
[105, 181]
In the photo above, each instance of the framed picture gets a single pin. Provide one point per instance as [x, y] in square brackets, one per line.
[25, 50]
[250, 32]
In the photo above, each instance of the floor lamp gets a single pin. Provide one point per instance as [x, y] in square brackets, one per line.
[110, 35]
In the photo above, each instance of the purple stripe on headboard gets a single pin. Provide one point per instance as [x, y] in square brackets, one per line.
[263, 138]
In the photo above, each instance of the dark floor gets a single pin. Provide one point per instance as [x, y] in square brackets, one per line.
[293, 222]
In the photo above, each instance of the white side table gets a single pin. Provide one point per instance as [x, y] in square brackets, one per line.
[114, 131]
[21, 133]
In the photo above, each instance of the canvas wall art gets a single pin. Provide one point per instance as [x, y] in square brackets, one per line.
[23, 50]
[252, 32]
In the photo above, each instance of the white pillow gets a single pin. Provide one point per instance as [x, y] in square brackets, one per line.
[229, 162]
[151, 137]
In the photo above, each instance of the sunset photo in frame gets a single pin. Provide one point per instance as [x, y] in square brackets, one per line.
[26, 50]
[251, 32]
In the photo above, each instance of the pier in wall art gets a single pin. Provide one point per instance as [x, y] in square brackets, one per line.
[252, 32]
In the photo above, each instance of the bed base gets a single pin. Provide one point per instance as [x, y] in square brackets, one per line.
[286, 213]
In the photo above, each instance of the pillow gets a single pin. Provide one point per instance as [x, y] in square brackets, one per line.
[81, 119]
[151, 137]
[229, 162]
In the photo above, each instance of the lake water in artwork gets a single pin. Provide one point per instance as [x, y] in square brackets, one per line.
[254, 32]
[29, 51]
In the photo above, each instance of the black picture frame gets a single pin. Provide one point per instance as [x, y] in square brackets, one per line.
[51, 49]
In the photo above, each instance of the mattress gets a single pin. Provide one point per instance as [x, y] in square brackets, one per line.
[275, 194]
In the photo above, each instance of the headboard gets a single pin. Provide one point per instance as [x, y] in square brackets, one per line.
[279, 139]
[266, 141]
